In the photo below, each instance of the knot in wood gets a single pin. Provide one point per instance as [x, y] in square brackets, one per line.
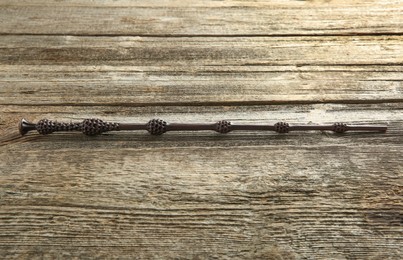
[281, 127]
[223, 126]
[156, 126]
[339, 127]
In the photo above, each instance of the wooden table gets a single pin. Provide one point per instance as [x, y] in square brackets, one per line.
[252, 195]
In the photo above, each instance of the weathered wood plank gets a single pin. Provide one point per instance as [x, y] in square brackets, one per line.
[137, 71]
[195, 3]
[383, 113]
[236, 195]
[201, 17]
[249, 195]
[143, 86]
[197, 51]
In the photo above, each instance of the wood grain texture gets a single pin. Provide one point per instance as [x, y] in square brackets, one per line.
[251, 195]
[238, 195]
[189, 17]
[138, 71]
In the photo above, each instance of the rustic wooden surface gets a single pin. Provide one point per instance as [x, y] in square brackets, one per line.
[304, 195]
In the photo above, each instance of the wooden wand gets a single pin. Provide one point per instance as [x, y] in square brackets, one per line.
[94, 126]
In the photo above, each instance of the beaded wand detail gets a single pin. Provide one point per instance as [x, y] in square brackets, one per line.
[96, 126]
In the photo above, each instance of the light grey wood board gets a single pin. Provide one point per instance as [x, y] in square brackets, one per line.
[201, 51]
[134, 71]
[202, 17]
[233, 196]
[384, 113]
[243, 195]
